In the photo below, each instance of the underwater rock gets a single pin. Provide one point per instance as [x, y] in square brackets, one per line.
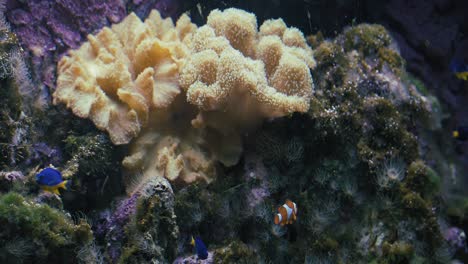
[45, 154]
[90, 254]
[36, 232]
[143, 227]
[362, 124]
[8, 46]
[456, 238]
[430, 35]
[17, 99]
[351, 161]
[194, 260]
[11, 176]
[49, 199]
[255, 170]
[8, 179]
[112, 225]
[432, 38]
[48, 28]
[372, 239]
[93, 166]
[235, 252]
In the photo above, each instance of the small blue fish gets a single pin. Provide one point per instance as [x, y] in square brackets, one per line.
[200, 247]
[51, 180]
[460, 69]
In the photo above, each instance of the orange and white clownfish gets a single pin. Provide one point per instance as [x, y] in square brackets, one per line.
[286, 213]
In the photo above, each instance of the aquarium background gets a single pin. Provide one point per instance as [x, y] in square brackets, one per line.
[354, 136]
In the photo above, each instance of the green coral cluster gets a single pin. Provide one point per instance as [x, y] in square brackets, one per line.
[94, 167]
[366, 122]
[36, 232]
[152, 234]
[12, 119]
[8, 45]
[363, 193]
[236, 252]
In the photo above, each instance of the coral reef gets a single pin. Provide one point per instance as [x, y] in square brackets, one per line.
[36, 232]
[8, 46]
[194, 260]
[455, 237]
[8, 180]
[142, 229]
[218, 68]
[60, 30]
[235, 252]
[363, 193]
[209, 129]
[47, 29]
[171, 157]
[149, 56]
[16, 98]
[123, 73]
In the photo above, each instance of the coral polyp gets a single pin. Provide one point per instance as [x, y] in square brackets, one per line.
[391, 173]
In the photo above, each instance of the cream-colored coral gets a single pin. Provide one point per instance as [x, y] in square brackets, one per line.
[178, 160]
[237, 75]
[237, 26]
[244, 73]
[123, 73]
[194, 91]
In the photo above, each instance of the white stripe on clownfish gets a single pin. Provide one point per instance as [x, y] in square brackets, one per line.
[280, 218]
[288, 211]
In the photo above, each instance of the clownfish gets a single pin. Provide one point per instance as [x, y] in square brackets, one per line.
[460, 133]
[286, 213]
[200, 247]
[50, 180]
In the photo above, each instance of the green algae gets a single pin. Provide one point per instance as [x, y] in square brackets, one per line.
[422, 179]
[51, 234]
[366, 38]
[235, 252]
[94, 167]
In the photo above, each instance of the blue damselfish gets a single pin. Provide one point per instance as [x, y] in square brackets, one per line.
[200, 247]
[460, 69]
[50, 180]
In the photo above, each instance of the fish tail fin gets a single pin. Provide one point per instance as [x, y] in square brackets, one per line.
[64, 185]
[462, 75]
